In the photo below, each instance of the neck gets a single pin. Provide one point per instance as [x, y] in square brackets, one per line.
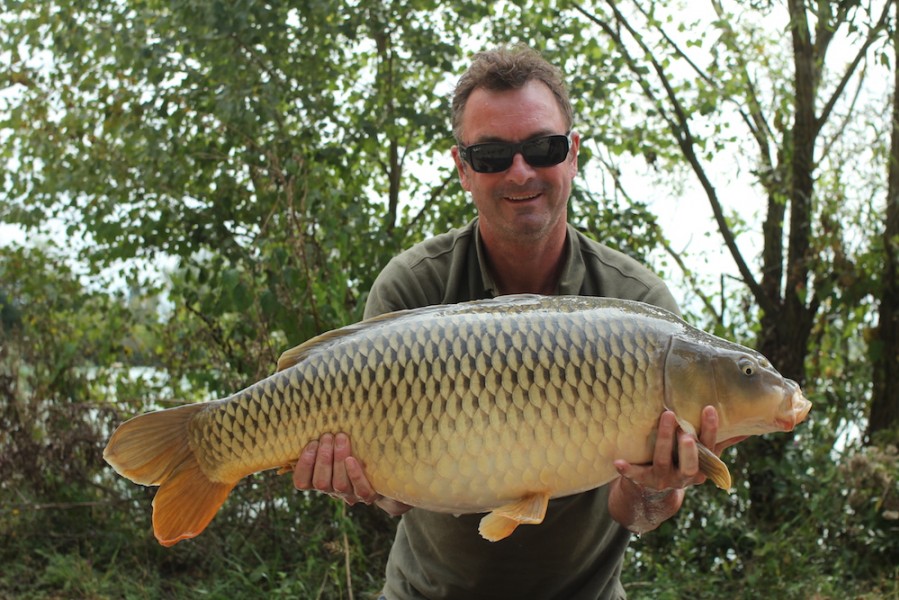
[532, 267]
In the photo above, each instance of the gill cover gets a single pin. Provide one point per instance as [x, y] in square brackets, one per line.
[690, 382]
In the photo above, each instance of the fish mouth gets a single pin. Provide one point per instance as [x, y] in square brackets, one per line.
[798, 407]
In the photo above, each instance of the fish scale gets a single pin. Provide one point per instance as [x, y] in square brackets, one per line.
[491, 406]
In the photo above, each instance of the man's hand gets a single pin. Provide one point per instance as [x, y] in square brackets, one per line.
[328, 466]
[647, 495]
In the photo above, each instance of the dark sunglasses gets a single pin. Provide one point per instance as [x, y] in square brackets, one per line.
[494, 157]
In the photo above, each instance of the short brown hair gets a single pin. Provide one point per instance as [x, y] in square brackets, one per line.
[508, 68]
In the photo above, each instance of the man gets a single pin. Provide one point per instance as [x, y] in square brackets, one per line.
[517, 155]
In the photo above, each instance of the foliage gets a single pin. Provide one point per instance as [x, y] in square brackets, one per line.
[837, 537]
[230, 180]
[53, 341]
[75, 529]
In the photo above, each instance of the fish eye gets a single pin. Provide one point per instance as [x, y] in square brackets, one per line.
[748, 366]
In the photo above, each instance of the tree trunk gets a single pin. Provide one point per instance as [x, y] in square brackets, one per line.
[784, 334]
[885, 345]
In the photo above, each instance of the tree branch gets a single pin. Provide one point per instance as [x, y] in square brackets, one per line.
[759, 127]
[436, 193]
[680, 129]
[873, 34]
[674, 254]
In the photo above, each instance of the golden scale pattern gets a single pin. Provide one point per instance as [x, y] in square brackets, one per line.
[477, 399]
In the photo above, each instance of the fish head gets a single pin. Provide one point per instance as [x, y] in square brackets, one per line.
[750, 395]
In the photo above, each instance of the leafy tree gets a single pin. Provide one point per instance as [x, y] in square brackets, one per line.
[266, 148]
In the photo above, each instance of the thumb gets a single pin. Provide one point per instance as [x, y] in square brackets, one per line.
[624, 468]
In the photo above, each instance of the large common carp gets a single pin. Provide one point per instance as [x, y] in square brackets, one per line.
[492, 406]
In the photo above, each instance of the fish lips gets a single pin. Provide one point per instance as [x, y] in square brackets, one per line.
[796, 407]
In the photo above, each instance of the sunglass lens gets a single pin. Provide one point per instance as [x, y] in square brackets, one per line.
[546, 152]
[491, 158]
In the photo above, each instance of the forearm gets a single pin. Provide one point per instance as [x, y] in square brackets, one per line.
[641, 509]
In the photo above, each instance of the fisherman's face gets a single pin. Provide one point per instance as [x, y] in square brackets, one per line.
[522, 203]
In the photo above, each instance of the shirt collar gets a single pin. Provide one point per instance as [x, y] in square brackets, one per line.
[573, 269]
[486, 277]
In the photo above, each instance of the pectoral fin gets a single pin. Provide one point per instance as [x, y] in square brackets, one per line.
[500, 523]
[712, 467]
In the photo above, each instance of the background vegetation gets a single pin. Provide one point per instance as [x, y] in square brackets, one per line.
[205, 184]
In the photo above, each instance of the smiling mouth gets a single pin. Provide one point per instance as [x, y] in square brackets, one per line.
[521, 198]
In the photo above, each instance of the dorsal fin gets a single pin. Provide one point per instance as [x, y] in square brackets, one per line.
[503, 303]
[296, 355]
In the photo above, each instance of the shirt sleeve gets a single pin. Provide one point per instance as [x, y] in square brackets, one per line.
[395, 288]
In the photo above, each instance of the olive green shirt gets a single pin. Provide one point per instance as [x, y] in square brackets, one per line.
[577, 552]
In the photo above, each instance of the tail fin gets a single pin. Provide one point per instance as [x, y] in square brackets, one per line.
[154, 449]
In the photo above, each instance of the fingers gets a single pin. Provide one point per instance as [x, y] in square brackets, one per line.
[663, 456]
[709, 432]
[630, 471]
[327, 465]
[358, 482]
[675, 464]
[340, 481]
[323, 470]
[675, 461]
[302, 473]
[316, 468]
[708, 429]
[688, 456]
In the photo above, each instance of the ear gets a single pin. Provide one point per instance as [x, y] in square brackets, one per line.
[575, 146]
[462, 169]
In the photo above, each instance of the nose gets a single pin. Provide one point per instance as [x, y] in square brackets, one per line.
[520, 171]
